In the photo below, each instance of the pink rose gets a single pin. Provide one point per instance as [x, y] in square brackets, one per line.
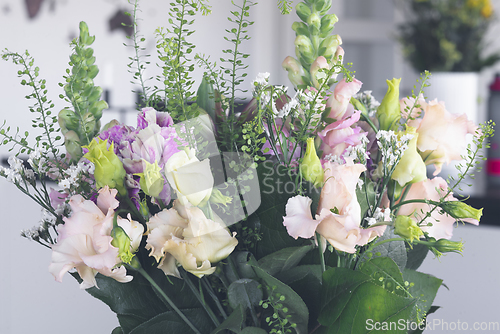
[431, 189]
[84, 241]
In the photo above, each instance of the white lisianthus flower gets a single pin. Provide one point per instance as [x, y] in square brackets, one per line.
[194, 241]
[190, 178]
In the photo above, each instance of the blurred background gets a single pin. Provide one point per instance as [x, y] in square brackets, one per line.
[30, 299]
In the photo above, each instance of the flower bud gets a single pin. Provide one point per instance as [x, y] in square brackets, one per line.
[327, 24]
[295, 71]
[143, 207]
[303, 11]
[314, 21]
[461, 210]
[121, 241]
[444, 246]
[218, 198]
[328, 47]
[310, 167]
[108, 168]
[72, 144]
[389, 112]
[406, 227]
[67, 120]
[319, 63]
[151, 181]
[304, 49]
[411, 168]
[300, 28]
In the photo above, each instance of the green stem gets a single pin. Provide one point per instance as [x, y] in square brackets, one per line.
[321, 254]
[168, 301]
[211, 292]
[200, 298]
[369, 121]
[426, 201]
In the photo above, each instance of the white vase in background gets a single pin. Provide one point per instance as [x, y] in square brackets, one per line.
[459, 91]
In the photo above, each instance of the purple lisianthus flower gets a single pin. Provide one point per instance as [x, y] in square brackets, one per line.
[150, 116]
[120, 135]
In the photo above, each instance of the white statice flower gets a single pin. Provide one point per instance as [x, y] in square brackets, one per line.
[73, 175]
[334, 158]
[392, 146]
[367, 99]
[360, 184]
[371, 221]
[260, 83]
[380, 215]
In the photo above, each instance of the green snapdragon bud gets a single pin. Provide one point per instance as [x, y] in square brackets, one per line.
[108, 167]
[73, 145]
[121, 241]
[327, 25]
[296, 71]
[151, 180]
[314, 22]
[389, 112]
[300, 28]
[304, 49]
[68, 120]
[461, 210]
[406, 227]
[310, 167]
[328, 47]
[303, 11]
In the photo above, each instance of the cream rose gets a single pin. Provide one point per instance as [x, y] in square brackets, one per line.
[192, 179]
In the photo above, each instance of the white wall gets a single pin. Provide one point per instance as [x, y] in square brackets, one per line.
[29, 296]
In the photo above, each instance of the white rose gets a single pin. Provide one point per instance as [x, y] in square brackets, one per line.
[192, 179]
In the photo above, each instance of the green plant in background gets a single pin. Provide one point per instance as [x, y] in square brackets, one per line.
[446, 35]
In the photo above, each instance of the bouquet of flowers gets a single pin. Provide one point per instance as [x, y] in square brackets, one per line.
[446, 35]
[300, 211]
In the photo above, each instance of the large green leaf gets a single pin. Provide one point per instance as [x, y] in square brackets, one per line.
[283, 259]
[424, 287]
[253, 330]
[170, 322]
[396, 250]
[244, 292]
[233, 323]
[306, 281]
[276, 187]
[416, 256]
[297, 309]
[354, 301]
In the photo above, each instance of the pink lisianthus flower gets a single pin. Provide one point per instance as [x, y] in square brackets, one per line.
[441, 134]
[431, 189]
[340, 135]
[84, 241]
[338, 216]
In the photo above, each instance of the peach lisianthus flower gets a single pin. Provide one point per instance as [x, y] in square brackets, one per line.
[338, 216]
[185, 236]
[441, 134]
[431, 189]
[84, 241]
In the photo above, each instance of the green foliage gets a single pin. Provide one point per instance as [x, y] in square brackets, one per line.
[173, 50]
[41, 109]
[137, 66]
[80, 125]
[446, 35]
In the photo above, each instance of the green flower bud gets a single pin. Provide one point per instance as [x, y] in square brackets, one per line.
[461, 210]
[323, 6]
[310, 167]
[444, 246]
[121, 241]
[406, 227]
[329, 46]
[300, 28]
[296, 72]
[389, 113]
[314, 21]
[359, 106]
[67, 120]
[218, 198]
[411, 168]
[143, 208]
[327, 24]
[151, 181]
[304, 49]
[303, 11]
[108, 168]
[73, 145]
